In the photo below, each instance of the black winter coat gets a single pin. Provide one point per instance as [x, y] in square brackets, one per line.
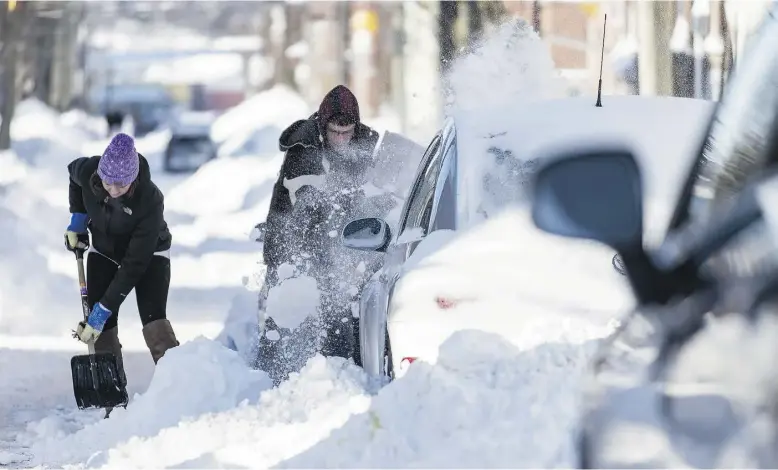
[127, 230]
[304, 162]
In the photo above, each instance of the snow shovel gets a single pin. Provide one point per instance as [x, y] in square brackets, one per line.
[96, 379]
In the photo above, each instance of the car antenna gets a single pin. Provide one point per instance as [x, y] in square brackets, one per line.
[602, 56]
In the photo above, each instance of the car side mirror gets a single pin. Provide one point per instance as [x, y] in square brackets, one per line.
[598, 195]
[368, 234]
[595, 195]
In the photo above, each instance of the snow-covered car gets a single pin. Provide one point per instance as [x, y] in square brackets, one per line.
[190, 144]
[688, 380]
[473, 169]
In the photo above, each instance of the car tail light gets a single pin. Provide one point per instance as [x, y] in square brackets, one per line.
[407, 361]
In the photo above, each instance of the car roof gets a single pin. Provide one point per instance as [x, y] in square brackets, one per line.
[665, 133]
[192, 123]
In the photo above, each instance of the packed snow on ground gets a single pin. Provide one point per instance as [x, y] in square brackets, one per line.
[333, 415]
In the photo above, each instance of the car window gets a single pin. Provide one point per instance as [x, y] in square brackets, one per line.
[415, 201]
[443, 214]
[740, 143]
[421, 208]
[191, 144]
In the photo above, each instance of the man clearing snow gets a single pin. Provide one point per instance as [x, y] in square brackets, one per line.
[319, 188]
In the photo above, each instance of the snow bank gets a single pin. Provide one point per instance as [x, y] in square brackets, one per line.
[254, 126]
[95, 126]
[40, 136]
[33, 199]
[225, 185]
[13, 167]
[197, 378]
[329, 415]
[501, 396]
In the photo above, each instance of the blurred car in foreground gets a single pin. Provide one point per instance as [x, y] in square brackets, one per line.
[688, 380]
[475, 168]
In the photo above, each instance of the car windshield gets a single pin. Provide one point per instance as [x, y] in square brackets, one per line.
[189, 145]
[738, 146]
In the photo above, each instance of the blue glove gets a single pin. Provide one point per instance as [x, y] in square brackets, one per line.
[91, 329]
[78, 223]
[75, 233]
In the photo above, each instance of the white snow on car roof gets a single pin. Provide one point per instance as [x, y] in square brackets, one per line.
[665, 133]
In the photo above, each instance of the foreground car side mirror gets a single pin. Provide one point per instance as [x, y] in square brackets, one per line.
[368, 234]
[595, 195]
[598, 195]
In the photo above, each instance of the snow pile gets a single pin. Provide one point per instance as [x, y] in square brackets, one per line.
[501, 395]
[14, 169]
[330, 415]
[224, 186]
[510, 64]
[95, 126]
[39, 131]
[196, 378]
[33, 199]
[254, 126]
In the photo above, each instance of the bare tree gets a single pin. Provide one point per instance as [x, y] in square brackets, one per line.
[13, 22]
[284, 71]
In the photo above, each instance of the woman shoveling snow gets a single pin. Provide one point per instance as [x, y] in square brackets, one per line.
[112, 197]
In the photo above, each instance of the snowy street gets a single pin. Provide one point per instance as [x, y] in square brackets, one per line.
[502, 390]
[507, 318]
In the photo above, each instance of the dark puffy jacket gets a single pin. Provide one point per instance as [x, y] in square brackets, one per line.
[306, 163]
[127, 230]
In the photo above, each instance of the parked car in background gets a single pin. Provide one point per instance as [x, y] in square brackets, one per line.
[480, 164]
[190, 144]
[688, 380]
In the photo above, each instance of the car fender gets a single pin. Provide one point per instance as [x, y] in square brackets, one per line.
[373, 305]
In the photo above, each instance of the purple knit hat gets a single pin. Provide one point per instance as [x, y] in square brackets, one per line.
[119, 163]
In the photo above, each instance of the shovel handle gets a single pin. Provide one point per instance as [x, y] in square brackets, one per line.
[82, 285]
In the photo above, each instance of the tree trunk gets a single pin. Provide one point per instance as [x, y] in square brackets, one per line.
[12, 26]
[293, 34]
[284, 71]
[267, 48]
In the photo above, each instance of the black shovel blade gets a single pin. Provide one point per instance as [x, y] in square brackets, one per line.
[97, 382]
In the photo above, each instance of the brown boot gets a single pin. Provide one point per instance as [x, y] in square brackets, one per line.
[159, 338]
[108, 342]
